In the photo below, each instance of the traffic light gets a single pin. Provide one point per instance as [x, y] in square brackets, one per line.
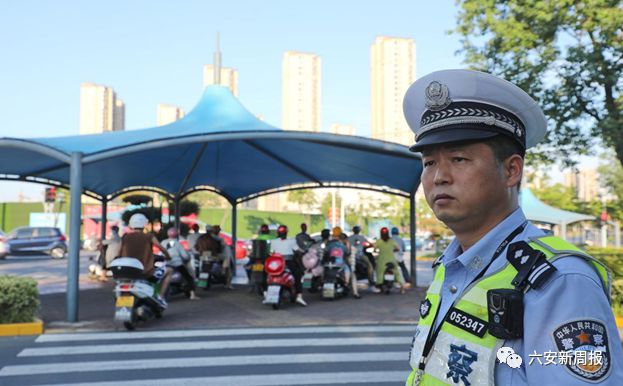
[50, 194]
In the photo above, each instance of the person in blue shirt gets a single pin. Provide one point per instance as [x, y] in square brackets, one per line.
[508, 305]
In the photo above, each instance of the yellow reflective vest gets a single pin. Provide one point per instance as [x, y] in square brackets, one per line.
[460, 357]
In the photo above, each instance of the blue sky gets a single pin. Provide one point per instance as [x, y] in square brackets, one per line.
[152, 52]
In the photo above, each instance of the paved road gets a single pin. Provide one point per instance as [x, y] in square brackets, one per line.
[327, 355]
[51, 274]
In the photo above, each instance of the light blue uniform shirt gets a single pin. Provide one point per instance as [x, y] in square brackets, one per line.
[573, 293]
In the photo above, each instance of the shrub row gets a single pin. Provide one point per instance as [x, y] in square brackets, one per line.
[19, 299]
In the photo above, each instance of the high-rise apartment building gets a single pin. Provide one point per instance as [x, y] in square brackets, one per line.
[392, 71]
[229, 78]
[167, 114]
[584, 182]
[337, 128]
[100, 109]
[301, 76]
[301, 90]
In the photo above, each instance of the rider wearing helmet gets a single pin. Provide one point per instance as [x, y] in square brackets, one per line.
[287, 248]
[386, 247]
[138, 244]
[340, 241]
[179, 258]
[400, 256]
[325, 234]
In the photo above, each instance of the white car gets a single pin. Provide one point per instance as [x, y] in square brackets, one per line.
[4, 246]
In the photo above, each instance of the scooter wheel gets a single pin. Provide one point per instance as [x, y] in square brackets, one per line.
[129, 326]
[276, 306]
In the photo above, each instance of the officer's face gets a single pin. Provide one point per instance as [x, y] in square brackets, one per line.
[464, 185]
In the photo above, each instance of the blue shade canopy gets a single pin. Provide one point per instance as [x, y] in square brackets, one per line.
[219, 145]
[536, 210]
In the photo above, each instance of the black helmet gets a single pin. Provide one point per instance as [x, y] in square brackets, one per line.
[356, 229]
[325, 233]
[264, 229]
[282, 231]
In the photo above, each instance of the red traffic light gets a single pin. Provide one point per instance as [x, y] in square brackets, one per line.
[50, 194]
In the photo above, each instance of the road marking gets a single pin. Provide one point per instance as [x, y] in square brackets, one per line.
[170, 363]
[81, 337]
[217, 345]
[270, 379]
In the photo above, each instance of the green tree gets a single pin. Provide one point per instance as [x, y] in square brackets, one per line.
[427, 222]
[559, 196]
[567, 54]
[305, 198]
[137, 199]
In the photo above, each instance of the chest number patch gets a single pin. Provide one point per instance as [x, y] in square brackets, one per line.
[467, 322]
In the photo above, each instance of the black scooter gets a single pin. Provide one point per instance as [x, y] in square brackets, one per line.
[388, 278]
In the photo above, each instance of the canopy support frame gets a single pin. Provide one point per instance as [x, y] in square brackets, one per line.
[75, 212]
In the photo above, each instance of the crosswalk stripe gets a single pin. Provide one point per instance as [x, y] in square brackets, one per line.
[270, 379]
[54, 338]
[243, 360]
[211, 345]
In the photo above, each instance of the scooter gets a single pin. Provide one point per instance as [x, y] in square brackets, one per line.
[280, 282]
[361, 267]
[177, 284]
[334, 279]
[210, 271]
[136, 298]
[388, 278]
[312, 278]
[259, 253]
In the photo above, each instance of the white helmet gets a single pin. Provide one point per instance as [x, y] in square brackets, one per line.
[138, 220]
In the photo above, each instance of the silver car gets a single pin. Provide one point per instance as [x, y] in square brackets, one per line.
[4, 246]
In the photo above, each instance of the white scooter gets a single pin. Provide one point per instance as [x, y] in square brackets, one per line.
[136, 298]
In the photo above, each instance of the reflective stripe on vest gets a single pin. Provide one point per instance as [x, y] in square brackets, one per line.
[457, 353]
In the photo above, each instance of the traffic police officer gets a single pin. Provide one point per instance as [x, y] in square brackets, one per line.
[508, 305]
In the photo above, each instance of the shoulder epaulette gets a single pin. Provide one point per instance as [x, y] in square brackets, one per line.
[532, 266]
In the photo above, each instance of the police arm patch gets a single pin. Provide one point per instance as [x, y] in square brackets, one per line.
[425, 306]
[583, 349]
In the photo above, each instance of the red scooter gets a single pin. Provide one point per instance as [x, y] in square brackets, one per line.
[280, 282]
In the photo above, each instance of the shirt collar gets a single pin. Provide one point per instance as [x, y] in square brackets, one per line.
[476, 257]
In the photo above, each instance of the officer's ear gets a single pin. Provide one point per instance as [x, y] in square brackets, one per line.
[513, 170]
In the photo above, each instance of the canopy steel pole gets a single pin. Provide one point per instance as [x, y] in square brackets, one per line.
[234, 234]
[412, 229]
[75, 211]
[176, 203]
[104, 217]
[333, 208]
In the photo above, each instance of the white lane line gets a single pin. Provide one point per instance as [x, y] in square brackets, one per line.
[216, 345]
[176, 363]
[217, 332]
[387, 377]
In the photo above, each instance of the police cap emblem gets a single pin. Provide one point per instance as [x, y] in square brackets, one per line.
[437, 96]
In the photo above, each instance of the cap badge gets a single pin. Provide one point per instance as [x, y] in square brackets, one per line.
[437, 96]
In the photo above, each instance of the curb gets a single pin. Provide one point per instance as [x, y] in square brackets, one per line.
[16, 329]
